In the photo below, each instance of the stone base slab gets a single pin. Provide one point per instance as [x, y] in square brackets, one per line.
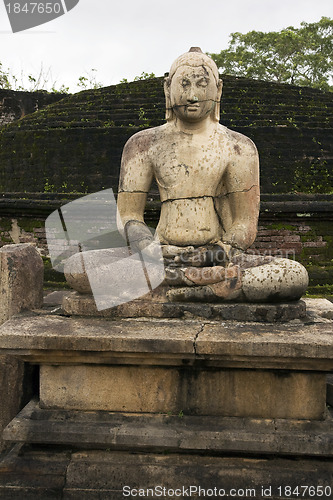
[46, 339]
[34, 473]
[172, 433]
[157, 307]
[163, 389]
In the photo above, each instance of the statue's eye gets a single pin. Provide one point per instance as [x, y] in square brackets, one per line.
[202, 82]
[185, 82]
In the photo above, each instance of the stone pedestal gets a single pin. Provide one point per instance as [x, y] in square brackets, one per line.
[156, 386]
[195, 368]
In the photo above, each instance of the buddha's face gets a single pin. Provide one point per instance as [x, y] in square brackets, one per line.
[193, 93]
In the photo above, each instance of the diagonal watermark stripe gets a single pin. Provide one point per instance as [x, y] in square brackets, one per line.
[24, 14]
[83, 237]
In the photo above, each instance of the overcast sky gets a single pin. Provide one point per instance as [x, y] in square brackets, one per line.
[123, 38]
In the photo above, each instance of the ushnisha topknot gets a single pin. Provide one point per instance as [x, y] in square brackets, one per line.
[194, 57]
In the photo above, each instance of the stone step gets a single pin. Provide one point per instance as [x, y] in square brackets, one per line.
[173, 433]
[39, 473]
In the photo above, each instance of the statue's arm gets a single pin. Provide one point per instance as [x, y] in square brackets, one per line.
[136, 174]
[242, 198]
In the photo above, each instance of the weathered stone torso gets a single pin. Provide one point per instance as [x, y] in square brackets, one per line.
[190, 176]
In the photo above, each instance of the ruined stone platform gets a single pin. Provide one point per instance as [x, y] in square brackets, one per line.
[168, 401]
[157, 306]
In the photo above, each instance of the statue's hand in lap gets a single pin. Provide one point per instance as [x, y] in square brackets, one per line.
[203, 256]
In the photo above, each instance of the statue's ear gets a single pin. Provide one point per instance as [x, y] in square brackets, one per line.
[216, 114]
[168, 110]
[167, 87]
[219, 89]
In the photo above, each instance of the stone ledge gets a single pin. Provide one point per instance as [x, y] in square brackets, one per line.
[319, 307]
[57, 339]
[181, 434]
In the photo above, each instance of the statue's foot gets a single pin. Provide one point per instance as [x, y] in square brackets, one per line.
[275, 280]
[207, 284]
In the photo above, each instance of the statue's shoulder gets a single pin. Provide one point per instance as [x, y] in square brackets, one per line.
[143, 140]
[237, 140]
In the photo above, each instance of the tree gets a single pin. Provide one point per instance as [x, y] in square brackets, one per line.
[299, 56]
[44, 81]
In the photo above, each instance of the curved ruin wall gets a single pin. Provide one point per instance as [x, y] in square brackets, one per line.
[75, 144]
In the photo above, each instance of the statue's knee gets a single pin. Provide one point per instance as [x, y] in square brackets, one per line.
[103, 262]
[281, 279]
[76, 275]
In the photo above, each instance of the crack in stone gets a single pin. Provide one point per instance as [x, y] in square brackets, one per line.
[188, 198]
[218, 215]
[70, 456]
[134, 191]
[186, 105]
[196, 338]
[234, 192]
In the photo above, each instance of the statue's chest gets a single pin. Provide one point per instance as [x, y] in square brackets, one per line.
[189, 161]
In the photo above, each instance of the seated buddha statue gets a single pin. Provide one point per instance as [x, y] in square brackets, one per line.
[208, 181]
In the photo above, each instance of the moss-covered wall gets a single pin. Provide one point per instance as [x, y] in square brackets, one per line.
[17, 104]
[75, 145]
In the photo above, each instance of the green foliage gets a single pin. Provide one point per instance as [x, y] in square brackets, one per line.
[44, 80]
[61, 90]
[89, 81]
[143, 76]
[299, 56]
[4, 78]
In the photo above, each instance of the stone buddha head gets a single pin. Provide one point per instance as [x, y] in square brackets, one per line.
[193, 88]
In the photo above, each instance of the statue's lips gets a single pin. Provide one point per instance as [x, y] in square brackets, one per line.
[192, 107]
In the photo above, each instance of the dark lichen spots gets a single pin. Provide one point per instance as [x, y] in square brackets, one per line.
[237, 149]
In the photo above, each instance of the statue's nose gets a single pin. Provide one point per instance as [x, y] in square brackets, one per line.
[193, 98]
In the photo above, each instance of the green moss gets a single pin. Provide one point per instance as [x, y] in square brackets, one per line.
[313, 178]
[55, 284]
[52, 277]
[29, 225]
[5, 224]
[319, 290]
[281, 226]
